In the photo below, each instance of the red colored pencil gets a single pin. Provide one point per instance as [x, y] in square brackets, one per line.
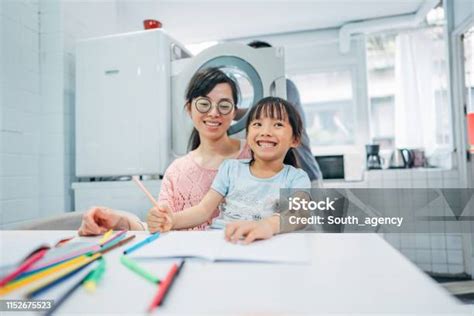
[165, 285]
[24, 266]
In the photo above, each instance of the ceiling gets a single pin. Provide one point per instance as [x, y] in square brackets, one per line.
[193, 21]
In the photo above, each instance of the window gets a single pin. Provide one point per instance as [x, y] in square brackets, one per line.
[381, 88]
[468, 87]
[468, 44]
[327, 99]
[407, 88]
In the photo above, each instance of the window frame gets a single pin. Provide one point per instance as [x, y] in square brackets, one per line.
[458, 97]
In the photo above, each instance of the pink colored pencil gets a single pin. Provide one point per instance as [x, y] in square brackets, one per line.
[24, 266]
[163, 287]
[120, 233]
[147, 193]
[73, 254]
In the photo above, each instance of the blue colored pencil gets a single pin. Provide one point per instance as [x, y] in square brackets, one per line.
[55, 282]
[63, 298]
[141, 243]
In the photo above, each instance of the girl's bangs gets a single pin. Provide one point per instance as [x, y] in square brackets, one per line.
[273, 110]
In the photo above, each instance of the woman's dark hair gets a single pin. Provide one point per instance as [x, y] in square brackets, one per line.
[280, 109]
[200, 85]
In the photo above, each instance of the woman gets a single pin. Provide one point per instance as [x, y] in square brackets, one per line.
[211, 97]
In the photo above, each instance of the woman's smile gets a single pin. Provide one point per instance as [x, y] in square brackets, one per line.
[212, 123]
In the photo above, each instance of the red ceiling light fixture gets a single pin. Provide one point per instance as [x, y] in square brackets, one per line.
[152, 24]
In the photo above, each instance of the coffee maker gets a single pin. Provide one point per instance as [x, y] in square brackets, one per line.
[373, 158]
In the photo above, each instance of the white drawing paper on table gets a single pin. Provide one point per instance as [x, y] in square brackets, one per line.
[211, 245]
[290, 248]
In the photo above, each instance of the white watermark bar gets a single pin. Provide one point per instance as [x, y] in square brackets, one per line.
[25, 305]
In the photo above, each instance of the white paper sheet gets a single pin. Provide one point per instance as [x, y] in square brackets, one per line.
[211, 245]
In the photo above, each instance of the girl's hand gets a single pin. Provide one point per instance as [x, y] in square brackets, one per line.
[160, 219]
[249, 230]
[98, 219]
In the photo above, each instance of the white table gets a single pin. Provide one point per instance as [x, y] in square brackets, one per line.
[349, 273]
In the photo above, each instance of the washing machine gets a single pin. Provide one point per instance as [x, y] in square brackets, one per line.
[258, 73]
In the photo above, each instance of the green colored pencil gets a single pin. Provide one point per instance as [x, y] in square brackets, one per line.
[132, 265]
[93, 278]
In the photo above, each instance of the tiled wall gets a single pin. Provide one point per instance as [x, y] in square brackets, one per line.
[37, 109]
[20, 174]
[439, 253]
[62, 23]
[55, 149]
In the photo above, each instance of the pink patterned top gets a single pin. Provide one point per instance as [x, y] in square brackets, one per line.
[185, 183]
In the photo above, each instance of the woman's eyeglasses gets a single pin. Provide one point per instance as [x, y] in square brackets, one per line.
[204, 105]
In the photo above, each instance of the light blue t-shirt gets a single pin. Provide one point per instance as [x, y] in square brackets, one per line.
[248, 197]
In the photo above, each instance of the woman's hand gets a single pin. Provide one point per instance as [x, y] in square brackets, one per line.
[160, 218]
[250, 230]
[98, 219]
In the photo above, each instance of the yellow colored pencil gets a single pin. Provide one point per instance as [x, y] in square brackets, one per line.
[64, 272]
[47, 272]
[106, 236]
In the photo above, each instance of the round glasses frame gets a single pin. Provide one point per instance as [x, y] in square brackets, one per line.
[204, 105]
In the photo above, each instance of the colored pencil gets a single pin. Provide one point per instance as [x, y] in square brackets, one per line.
[45, 273]
[94, 278]
[65, 267]
[62, 276]
[74, 254]
[109, 244]
[132, 265]
[66, 295]
[24, 266]
[121, 243]
[106, 236]
[117, 235]
[165, 285]
[141, 243]
[180, 267]
[144, 189]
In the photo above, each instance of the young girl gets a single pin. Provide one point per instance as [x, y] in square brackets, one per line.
[251, 188]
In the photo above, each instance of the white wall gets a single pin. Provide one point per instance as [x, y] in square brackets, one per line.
[37, 109]
[20, 109]
[62, 23]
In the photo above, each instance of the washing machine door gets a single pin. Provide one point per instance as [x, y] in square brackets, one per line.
[257, 72]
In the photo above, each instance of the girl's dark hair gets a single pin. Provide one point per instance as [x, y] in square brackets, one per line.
[200, 85]
[280, 109]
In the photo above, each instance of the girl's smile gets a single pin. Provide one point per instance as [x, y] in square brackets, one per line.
[266, 143]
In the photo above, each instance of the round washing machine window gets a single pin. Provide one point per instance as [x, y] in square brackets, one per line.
[246, 91]
[248, 81]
